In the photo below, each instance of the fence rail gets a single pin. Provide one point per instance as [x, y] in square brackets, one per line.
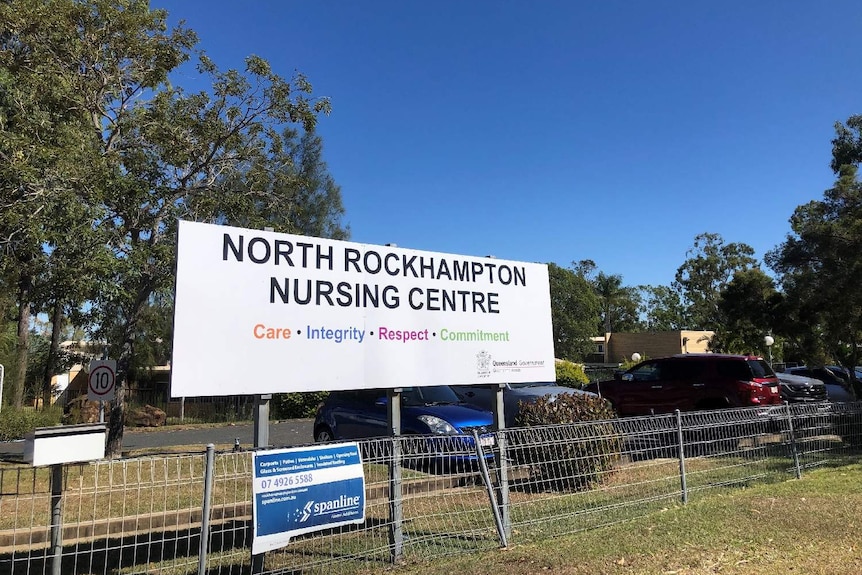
[425, 497]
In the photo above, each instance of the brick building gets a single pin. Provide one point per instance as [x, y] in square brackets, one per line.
[619, 347]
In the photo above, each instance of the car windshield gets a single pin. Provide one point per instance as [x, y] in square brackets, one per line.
[429, 395]
[760, 368]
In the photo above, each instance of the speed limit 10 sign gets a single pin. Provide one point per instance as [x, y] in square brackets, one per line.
[101, 382]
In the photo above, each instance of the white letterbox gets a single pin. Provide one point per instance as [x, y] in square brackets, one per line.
[65, 444]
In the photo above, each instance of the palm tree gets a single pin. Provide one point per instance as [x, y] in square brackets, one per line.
[619, 304]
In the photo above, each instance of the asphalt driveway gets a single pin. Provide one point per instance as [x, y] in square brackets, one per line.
[287, 433]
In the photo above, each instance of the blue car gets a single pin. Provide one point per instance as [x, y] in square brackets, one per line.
[428, 411]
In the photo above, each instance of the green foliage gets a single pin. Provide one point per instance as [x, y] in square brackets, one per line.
[7, 340]
[662, 308]
[747, 306]
[17, 423]
[81, 204]
[567, 457]
[570, 374]
[710, 266]
[297, 405]
[619, 304]
[628, 362]
[820, 263]
[574, 313]
[847, 144]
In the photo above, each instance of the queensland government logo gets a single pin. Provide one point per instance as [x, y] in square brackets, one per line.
[483, 364]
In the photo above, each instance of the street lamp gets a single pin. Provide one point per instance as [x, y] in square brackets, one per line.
[769, 340]
[636, 357]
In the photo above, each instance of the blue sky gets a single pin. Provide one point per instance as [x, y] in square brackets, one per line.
[550, 131]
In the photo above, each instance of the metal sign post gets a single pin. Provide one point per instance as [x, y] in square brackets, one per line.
[261, 439]
[396, 511]
[56, 519]
[261, 420]
[502, 462]
[102, 383]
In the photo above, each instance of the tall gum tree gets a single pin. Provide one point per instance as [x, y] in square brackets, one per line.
[710, 266]
[748, 307]
[47, 147]
[156, 153]
[820, 263]
[574, 312]
[661, 308]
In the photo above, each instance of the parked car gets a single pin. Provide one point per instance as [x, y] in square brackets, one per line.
[691, 382]
[837, 388]
[430, 410]
[484, 396]
[801, 389]
[846, 374]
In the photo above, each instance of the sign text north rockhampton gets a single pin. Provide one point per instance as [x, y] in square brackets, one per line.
[475, 298]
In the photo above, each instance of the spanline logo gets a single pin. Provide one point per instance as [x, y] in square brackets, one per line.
[342, 506]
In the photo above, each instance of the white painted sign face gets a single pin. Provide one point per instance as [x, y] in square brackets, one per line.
[264, 312]
[101, 380]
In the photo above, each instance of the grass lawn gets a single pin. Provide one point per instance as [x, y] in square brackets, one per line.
[811, 526]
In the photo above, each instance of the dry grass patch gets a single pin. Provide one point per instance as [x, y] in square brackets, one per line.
[810, 526]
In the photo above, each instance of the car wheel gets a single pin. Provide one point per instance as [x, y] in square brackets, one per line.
[323, 434]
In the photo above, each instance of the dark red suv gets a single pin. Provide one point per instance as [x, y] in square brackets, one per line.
[691, 382]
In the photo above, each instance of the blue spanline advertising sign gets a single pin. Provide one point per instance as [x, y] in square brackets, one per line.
[305, 489]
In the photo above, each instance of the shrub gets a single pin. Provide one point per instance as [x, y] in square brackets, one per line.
[17, 423]
[296, 405]
[568, 443]
[80, 410]
[570, 374]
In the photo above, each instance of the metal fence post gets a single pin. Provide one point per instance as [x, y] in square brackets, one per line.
[793, 441]
[681, 442]
[205, 510]
[486, 478]
[56, 518]
[396, 504]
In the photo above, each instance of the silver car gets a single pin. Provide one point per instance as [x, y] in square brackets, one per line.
[836, 388]
[801, 389]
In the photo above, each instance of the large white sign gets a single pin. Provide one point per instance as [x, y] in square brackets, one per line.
[264, 312]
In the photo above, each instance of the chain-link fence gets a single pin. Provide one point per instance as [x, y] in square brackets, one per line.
[426, 497]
